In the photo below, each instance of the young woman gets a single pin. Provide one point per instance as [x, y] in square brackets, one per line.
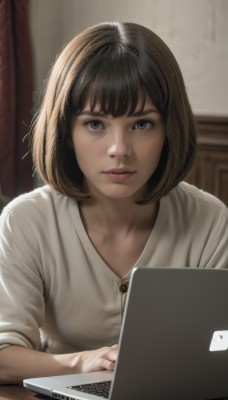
[113, 141]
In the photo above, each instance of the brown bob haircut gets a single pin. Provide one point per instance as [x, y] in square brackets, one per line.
[112, 63]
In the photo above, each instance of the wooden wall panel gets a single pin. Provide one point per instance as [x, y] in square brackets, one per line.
[210, 170]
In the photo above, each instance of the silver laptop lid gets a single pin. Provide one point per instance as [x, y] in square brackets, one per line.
[167, 338]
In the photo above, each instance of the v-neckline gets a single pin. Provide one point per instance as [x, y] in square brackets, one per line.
[98, 260]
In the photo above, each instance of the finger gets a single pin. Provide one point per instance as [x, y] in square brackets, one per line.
[101, 364]
[112, 355]
[107, 364]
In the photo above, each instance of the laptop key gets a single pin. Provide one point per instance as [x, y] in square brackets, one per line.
[100, 389]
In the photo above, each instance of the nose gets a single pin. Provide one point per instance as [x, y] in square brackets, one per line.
[119, 145]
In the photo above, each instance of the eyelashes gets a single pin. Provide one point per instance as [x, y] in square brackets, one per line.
[94, 125]
[141, 125]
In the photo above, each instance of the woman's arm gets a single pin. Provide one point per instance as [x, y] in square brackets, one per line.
[18, 363]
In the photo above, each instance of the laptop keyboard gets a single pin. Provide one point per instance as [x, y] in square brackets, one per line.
[101, 389]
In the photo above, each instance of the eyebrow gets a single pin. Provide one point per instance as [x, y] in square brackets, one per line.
[144, 112]
[134, 114]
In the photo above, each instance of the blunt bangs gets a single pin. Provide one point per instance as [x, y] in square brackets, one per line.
[112, 81]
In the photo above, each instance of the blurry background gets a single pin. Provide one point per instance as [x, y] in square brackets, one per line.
[195, 30]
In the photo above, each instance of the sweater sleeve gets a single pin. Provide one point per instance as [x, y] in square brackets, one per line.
[215, 254]
[21, 283]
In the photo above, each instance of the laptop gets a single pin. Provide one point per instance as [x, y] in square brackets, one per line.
[173, 342]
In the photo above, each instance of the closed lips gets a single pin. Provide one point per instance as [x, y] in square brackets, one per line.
[120, 171]
[124, 172]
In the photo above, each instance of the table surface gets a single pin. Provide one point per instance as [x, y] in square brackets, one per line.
[17, 392]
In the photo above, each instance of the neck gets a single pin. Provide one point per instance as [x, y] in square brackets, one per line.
[113, 216]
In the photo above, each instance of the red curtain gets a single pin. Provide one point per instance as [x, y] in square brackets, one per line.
[16, 85]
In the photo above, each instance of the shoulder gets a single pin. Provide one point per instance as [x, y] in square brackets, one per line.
[190, 208]
[36, 206]
[190, 199]
[24, 202]
[198, 221]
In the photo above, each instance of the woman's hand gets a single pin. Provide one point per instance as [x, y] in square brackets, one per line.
[97, 360]
[18, 363]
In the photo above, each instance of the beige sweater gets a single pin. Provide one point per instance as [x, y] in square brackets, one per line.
[51, 276]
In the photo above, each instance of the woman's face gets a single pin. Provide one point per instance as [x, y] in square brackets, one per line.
[118, 155]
